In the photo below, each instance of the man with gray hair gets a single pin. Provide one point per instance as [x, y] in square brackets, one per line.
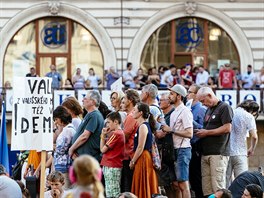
[149, 95]
[8, 186]
[87, 137]
[215, 137]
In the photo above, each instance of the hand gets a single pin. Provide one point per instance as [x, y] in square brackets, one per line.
[166, 128]
[105, 131]
[131, 165]
[55, 193]
[250, 152]
[36, 173]
[25, 174]
[201, 133]
[160, 134]
[71, 152]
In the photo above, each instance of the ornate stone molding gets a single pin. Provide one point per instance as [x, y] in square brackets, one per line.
[66, 10]
[190, 8]
[205, 12]
[54, 7]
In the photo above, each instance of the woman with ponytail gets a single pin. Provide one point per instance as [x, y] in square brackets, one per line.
[145, 181]
[86, 175]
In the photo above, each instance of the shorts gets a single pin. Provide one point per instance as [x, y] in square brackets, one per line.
[182, 162]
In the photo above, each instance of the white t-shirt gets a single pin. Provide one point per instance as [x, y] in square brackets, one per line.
[167, 78]
[242, 123]
[93, 81]
[202, 78]
[76, 122]
[248, 80]
[47, 194]
[128, 77]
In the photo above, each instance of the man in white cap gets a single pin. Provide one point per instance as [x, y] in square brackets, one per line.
[181, 126]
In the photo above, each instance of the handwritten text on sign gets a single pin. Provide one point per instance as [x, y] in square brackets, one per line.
[32, 114]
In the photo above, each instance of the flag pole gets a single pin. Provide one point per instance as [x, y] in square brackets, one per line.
[4, 159]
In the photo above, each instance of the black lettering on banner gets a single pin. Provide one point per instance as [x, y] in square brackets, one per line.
[24, 128]
[41, 86]
[48, 120]
[34, 124]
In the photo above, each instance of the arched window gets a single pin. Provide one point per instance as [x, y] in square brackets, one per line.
[54, 40]
[190, 40]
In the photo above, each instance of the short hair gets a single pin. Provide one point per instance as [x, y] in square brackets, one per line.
[129, 64]
[127, 195]
[56, 176]
[205, 91]
[133, 96]
[62, 113]
[73, 105]
[114, 116]
[197, 87]
[250, 106]
[225, 193]
[255, 190]
[95, 96]
[151, 89]
[172, 66]
[165, 94]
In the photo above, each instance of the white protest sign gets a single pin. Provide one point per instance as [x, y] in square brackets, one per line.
[81, 95]
[60, 95]
[249, 95]
[117, 85]
[32, 114]
[227, 96]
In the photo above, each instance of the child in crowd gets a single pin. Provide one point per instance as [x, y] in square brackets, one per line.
[86, 175]
[112, 146]
[56, 182]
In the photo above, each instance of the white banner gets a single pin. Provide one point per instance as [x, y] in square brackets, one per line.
[9, 100]
[60, 95]
[32, 114]
[228, 96]
[249, 95]
[81, 95]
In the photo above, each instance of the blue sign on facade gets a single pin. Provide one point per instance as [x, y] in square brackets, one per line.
[54, 35]
[189, 35]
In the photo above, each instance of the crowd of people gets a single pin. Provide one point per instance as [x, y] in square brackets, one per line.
[227, 77]
[102, 152]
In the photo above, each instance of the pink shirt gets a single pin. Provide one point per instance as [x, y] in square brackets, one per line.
[181, 118]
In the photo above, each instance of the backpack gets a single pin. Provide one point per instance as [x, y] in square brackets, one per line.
[155, 154]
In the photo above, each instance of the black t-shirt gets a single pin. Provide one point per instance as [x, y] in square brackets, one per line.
[238, 185]
[216, 117]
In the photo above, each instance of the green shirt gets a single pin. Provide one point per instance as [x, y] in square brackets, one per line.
[93, 122]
